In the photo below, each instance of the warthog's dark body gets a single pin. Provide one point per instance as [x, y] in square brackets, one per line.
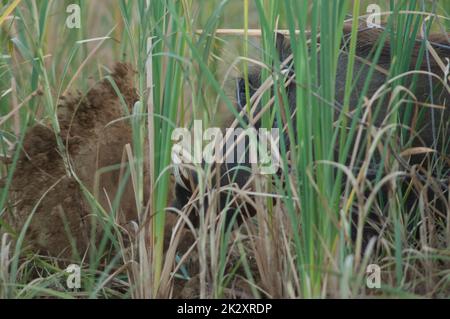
[232, 203]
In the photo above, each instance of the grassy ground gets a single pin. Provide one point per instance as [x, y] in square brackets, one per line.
[300, 243]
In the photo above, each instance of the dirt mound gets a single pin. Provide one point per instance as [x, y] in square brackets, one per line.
[94, 147]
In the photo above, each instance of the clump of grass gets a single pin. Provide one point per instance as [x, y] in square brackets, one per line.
[299, 244]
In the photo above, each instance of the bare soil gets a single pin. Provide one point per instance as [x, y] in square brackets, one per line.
[94, 139]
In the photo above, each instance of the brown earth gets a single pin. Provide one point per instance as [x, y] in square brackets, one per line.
[43, 183]
[47, 182]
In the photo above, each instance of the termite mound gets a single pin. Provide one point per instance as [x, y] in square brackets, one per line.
[46, 186]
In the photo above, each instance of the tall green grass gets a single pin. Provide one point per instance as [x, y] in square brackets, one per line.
[297, 246]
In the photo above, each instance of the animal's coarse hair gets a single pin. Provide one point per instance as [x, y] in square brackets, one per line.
[423, 133]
